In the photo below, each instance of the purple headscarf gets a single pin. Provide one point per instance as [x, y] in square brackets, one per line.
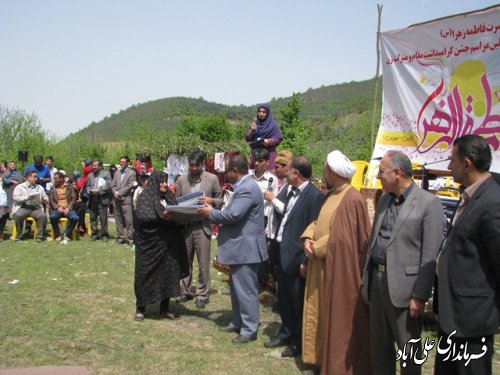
[268, 128]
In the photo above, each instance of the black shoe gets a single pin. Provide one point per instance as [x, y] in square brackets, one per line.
[200, 304]
[105, 238]
[120, 241]
[94, 238]
[275, 343]
[242, 339]
[171, 315]
[183, 298]
[229, 329]
[291, 351]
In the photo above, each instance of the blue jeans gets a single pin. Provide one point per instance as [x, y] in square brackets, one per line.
[72, 216]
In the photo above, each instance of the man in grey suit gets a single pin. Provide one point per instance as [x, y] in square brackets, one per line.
[198, 231]
[467, 297]
[98, 187]
[122, 187]
[399, 272]
[242, 246]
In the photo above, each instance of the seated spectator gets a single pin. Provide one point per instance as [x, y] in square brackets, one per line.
[29, 198]
[62, 198]
[41, 170]
[4, 210]
[79, 207]
[10, 180]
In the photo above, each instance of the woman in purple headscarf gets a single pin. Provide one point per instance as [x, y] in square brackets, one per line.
[264, 132]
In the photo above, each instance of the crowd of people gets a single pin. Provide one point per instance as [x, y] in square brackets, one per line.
[351, 294]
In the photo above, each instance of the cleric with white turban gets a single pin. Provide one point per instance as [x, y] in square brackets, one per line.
[340, 164]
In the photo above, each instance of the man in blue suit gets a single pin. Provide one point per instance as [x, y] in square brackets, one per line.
[242, 246]
[302, 204]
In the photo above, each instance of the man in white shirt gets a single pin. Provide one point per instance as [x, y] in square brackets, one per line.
[266, 182]
[28, 202]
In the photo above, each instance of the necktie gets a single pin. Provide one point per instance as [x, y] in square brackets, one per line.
[289, 196]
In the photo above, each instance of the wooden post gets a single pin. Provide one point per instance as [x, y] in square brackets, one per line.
[374, 110]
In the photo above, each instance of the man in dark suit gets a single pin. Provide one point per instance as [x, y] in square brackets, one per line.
[122, 187]
[242, 246]
[468, 271]
[399, 271]
[198, 231]
[98, 188]
[302, 204]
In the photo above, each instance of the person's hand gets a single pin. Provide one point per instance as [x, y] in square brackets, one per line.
[205, 211]
[45, 200]
[303, 270]
[60, 209]
[253, 126]
[268, 196]
[416, 307]
[309, 248]
[65, 211]
[205, 200]
[266, 142]
[117, 195]
[169, 214]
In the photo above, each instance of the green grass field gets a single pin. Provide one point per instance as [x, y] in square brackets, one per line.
[74, 305]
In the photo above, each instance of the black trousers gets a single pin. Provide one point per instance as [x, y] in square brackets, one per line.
[291, 288]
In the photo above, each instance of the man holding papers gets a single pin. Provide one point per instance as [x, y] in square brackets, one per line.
[28, 202]
[197, 231]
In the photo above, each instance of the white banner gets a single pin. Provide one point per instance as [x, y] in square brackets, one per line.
[441, 80]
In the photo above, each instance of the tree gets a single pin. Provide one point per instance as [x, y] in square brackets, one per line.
[295, 133]
[22, 131]
[212, 128]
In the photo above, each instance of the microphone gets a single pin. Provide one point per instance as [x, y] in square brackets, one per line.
[270, 184]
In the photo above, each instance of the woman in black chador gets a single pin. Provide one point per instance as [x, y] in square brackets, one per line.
[160, 249]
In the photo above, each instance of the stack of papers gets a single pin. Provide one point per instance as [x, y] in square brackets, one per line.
[188, 204]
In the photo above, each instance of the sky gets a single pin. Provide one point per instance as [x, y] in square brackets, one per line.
[74, 62]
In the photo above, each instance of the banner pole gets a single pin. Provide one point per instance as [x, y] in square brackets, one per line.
[374, 109]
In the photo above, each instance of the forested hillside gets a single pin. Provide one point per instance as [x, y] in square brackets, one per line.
[323, 106]
[313, 123]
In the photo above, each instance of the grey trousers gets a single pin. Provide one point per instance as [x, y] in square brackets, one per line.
[124, 220]
[197, 242]
[37, 214]
[99, 211]
[244, 298]
[389, 325]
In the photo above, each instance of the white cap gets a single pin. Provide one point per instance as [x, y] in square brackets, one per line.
[340, 164]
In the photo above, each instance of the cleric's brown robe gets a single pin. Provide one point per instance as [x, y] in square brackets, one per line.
[313, 316]
[346, 344]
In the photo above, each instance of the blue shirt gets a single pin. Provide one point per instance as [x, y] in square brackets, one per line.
[42, 172]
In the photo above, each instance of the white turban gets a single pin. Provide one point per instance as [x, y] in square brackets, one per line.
[340, 164]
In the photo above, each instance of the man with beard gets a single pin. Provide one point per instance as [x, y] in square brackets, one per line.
[302, 203]
[198, 231]
[468, 265]
[335, 320]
